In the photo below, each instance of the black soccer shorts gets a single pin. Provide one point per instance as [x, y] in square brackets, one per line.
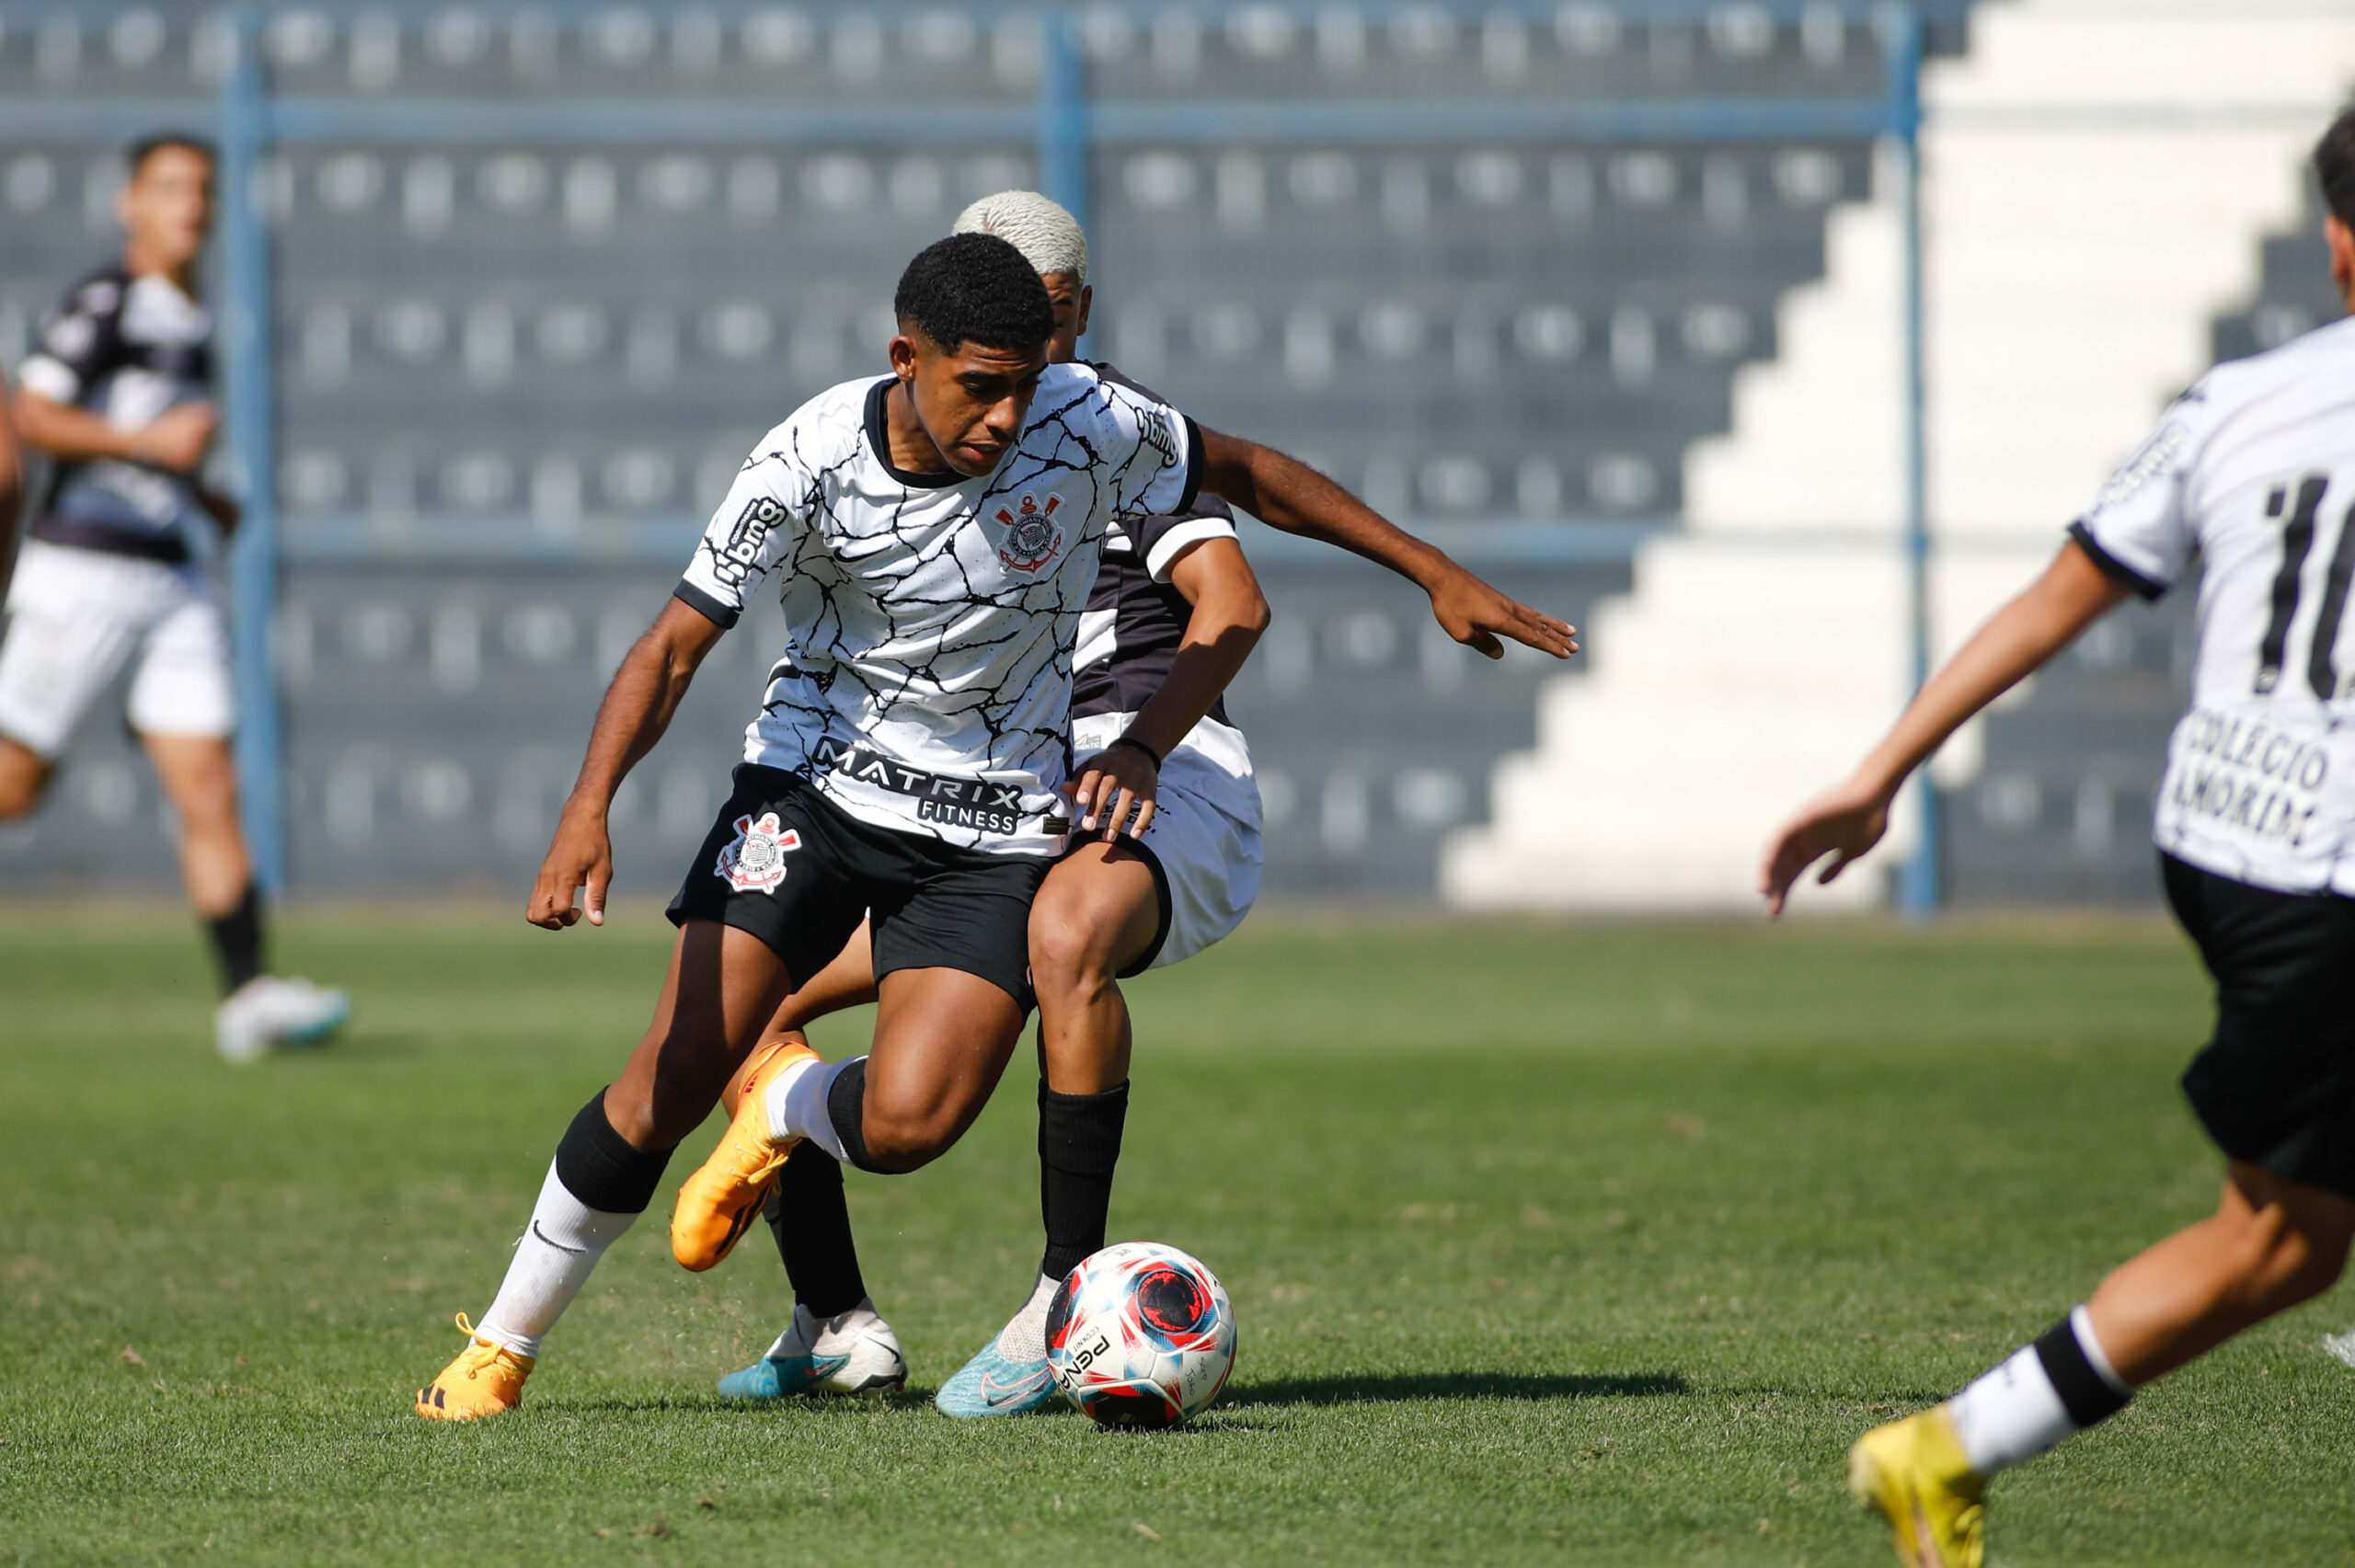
[2275, 1086]
[789, 866]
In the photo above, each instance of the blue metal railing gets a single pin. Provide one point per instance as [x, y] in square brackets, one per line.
[1064, 124]
[252, 424]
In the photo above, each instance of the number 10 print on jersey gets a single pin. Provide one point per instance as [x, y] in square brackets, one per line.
[2297, 543]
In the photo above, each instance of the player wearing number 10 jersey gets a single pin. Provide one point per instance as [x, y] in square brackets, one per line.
[2254, 471]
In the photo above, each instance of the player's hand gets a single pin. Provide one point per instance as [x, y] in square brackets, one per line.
[580, 861]
[1115, 784]
[1843, 822]
[179, 437]
[1476, 616]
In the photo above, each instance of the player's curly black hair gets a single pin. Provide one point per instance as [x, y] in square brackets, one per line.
[975, 289]
[2335, 167]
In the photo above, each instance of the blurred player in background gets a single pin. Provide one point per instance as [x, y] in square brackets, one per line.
[2253, 470]
[117, 394]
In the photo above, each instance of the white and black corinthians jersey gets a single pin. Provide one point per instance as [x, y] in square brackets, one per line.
[1135, 619]
[931, 619]
[2255, 469]
[126, 349]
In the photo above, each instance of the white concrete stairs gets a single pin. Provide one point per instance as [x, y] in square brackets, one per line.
[2097, 174]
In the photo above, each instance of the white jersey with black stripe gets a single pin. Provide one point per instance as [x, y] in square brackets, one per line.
[931, 619]
[1136, 618]
[2254, 470]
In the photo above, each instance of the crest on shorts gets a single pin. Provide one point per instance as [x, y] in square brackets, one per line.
[753, 861]
[1032, 537]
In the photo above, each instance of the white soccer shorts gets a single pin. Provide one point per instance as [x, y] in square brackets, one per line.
[1205, 833]
[76, 617]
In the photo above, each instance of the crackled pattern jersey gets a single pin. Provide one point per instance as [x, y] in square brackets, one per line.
[930, 618]
[2254, 469]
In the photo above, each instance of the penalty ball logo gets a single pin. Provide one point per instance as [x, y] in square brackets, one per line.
[753, 862]
[1031, 536]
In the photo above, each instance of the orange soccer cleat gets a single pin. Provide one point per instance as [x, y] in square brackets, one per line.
[719, 1202]
[487, 1378]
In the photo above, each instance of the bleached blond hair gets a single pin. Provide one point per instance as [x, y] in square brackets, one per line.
[1049, 237]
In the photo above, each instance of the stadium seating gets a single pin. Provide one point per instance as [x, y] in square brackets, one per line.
[512, 374]
[507, 352]
[2098, 178]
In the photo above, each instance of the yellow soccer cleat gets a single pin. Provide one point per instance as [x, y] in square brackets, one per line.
[719, 1202]
[486, 1379]
[1913, 1474]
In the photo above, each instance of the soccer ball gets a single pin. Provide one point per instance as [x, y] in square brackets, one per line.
[1140, 1335]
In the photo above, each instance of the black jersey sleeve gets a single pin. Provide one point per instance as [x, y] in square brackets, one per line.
[81, 340]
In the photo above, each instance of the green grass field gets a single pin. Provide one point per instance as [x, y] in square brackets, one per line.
[1579, 1244]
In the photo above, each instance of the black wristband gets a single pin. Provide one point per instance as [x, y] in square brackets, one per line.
[1132, 740]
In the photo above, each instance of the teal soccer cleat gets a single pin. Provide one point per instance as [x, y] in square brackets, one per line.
[1008, 1376]
[853, 1353]
[994, 1384]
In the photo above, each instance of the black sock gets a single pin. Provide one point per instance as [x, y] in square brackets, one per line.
[237, 940]
[2086, 1394]
[810, 1218]
[1079, 1142]
[846, 1106]
[602, 1168]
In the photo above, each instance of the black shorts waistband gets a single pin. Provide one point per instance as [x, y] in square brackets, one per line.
[111, 539]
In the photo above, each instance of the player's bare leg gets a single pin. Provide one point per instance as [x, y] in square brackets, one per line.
[1098, 914]
[24, 774]
[1095, 915]
[259, 1009]
[201, 781]
[721, 987]
[2271, 1245]
[836, 1341]
[847, 983]
[942, 1038]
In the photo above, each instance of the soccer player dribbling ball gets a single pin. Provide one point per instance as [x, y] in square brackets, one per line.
[2254, 469]
[116, 394]
[1174, 613]
[935, 534]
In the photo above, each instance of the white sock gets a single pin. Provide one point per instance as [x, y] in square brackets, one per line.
[1025, 1337]
[797, 1104]
[2013, 1412]
[553, 1259]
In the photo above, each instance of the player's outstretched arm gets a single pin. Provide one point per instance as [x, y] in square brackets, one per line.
[175, 439]
[636, 710]
[1849, 818]
[1285, 493]
[1229, 613]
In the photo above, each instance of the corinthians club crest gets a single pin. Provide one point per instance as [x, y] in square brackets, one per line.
[753, 862]
[1031, 536]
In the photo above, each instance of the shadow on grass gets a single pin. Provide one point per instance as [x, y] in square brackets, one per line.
[1453, 1385]
[713, 1405]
